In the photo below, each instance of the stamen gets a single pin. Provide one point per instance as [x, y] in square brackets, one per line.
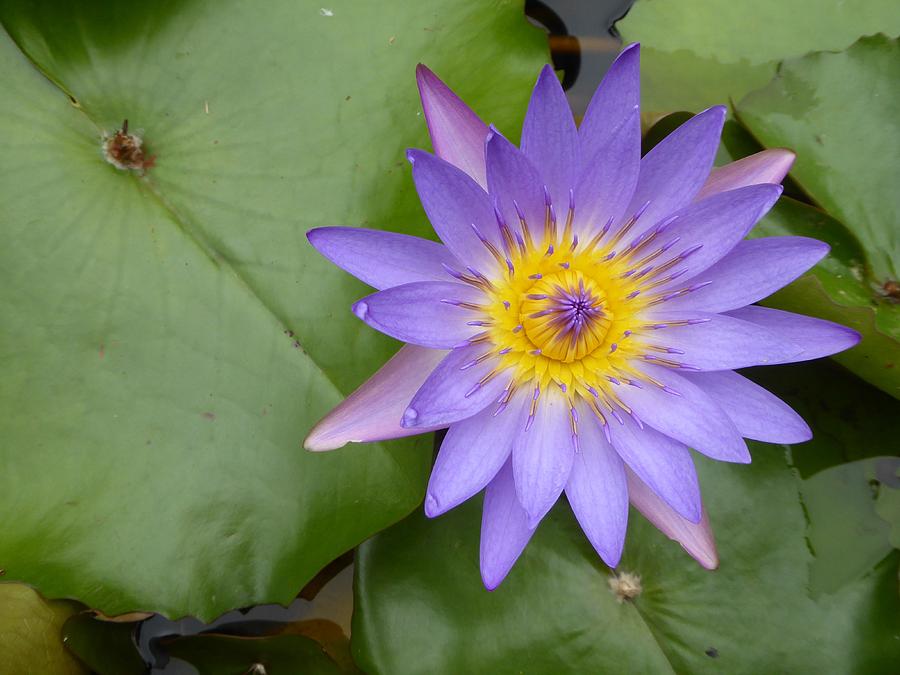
[487, 244]
[570, 216]
[505, 233]
[464, 305]
[528, 243]
[534, 402]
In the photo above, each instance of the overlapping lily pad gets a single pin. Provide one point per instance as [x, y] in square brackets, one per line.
[837, 111]
[31, 638]
[698, 53]
[169, 338]
[421, 607]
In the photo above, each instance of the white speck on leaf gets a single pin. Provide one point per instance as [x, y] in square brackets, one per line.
[326, 12]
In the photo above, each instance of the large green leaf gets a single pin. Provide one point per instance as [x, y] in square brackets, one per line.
[168, 339]
[839, 113]
[31, 638]
[698, 53]
[421, 607]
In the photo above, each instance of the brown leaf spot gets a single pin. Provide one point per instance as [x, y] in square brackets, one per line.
[125, 151]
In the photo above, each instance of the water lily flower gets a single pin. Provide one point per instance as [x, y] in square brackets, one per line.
[578, 329]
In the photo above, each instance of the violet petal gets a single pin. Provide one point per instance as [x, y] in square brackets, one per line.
[417, 313]
[691, 417]
[597, 491]
[767, 166]
[457, 133]
[504, 528]
[757, 413]
[454, 203]
[513, 181]
[374, 410]
[696, 539]
[471, 454]
[542, 456]
[663, 463]
[751, 271]
[614, 101]
[674, 171]
[382, 259]
[550, 139]
[817, 337]
[453, 391]
[607, 181]
[720, 342]
[715, 226]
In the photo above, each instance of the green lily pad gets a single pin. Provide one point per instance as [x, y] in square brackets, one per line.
[837, 110]
[845, 532]
[227, 655]
[31, 638]
[169, 337]
[106, 647]
[698, 53]
[887, 506]
[421, 606]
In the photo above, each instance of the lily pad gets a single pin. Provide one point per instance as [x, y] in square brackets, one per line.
[698, 53]
[421, 606]
[845, 532]
[837, 111]
[31, 638]
[226, 655]
[106, 647]
[168, 335]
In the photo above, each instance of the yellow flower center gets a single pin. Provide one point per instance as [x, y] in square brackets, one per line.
[570, 313]
[565, 316]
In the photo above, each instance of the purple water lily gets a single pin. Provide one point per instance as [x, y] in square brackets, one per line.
[579, 327]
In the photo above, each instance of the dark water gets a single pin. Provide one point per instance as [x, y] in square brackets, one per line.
[582, 41]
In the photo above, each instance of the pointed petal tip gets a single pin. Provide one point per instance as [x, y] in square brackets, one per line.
[708, 560]
[361, 309]
[610, 558]
[719, 111]
[318, 441]
[490, 584]
[432, 508]
[410, 417]
[492, 578]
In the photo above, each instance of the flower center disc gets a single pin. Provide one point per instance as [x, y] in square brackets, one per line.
[564, 315]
